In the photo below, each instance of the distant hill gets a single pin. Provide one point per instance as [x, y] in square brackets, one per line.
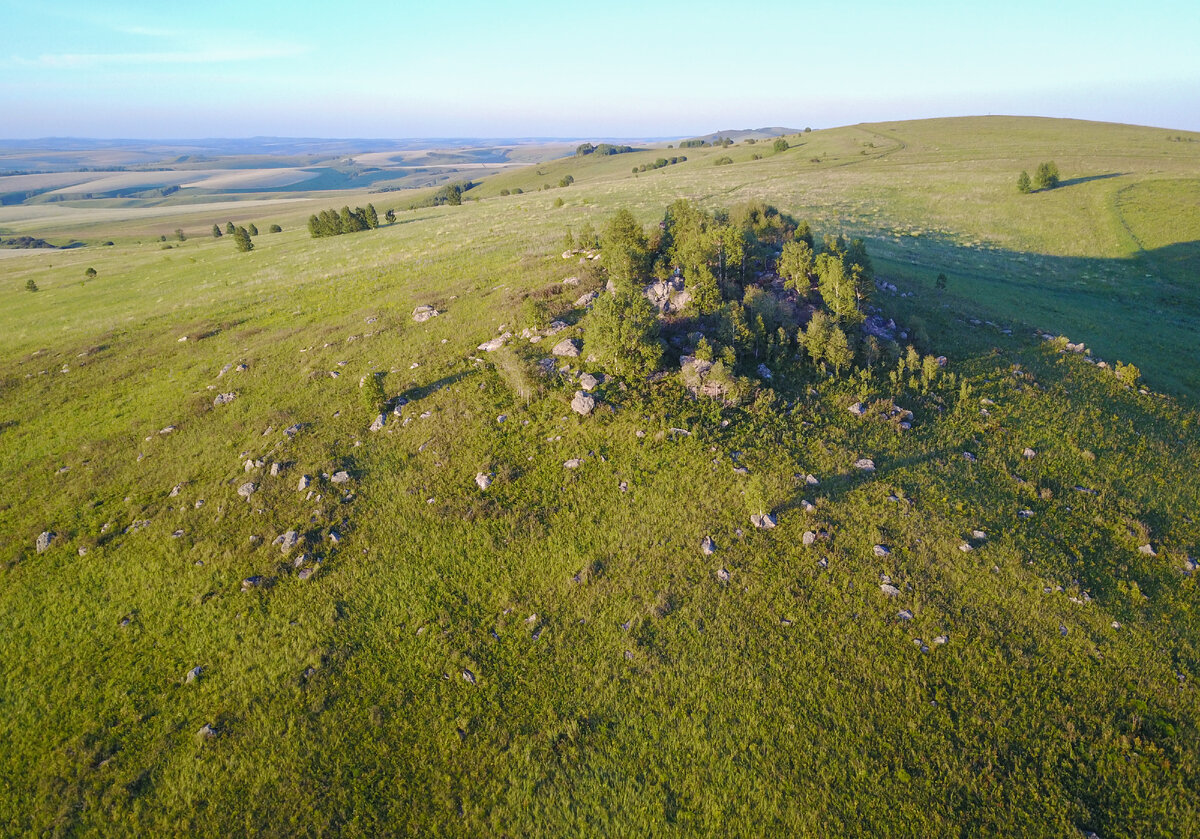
[748, 134]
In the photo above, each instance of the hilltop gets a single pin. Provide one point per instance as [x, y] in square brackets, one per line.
[499, 613]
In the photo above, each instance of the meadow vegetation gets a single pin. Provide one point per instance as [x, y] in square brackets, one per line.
[838, 547]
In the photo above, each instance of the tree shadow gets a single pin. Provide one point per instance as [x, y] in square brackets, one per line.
[415, 393]
[837, 486]
[1077, 181]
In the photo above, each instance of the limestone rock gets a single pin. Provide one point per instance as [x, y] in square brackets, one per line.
[483, 480]
[573, 463]
[424, 313]
[889, 589]
[588, 382]
[224, 399]
[566, 348]
[808, 538]
[247, 489]
[707, 547]
[865, 463]
[304, 483]
[882, 550]
[44, 540]
[494, 344]
[287, 541]
[341, 477]
[765, 521]
[583, 403]
[192, 675]
[377, 425]
[858, 409]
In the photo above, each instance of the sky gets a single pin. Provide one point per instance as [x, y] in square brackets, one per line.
[610, 69]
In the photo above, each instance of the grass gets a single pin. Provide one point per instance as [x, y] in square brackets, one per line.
[647, 696]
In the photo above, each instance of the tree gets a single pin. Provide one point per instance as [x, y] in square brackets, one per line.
[216, 232]
[566, 180]
[622, 331]
[179, 234]
[780, 145]
[372, 217]
[796, 266]
[390, 216]
[241, 238]
[229, 228]
[940, 283]
[838, 289]
[30, 285]
[624, 248]
[275, 228]
[837, 351]
[1047, 176]
[89, 273]
[252, 229]
[1024, 185]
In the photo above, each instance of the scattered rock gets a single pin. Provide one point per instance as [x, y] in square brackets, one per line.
[941, 639]
[970, 458]
[468, 676]
[807, 505]
[623, 486]
[588, 382]
[341, 477]
[707, 547]
[224, 399]
[978, 534]
[424, 313]
[305, 483]
[764, 373]
[1029, 454]
[858, 409]
[305, 573]
[1148, 550]
[583, 403]
[206, 732]
[494, 344]
[252, 582]
[808, 538]
[905, 615]
[377, 425]
[484, 481]
[763, 522]
[167, 430]
[566, 348]
[247, 489]
[276, 469]
[722, 575]
[573, 463]
[882, 550]
[889, 589]
[865, 463]
[586, 299]
[287, 541]
[192, 675]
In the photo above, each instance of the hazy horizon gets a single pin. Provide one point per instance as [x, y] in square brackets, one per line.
[538, 69]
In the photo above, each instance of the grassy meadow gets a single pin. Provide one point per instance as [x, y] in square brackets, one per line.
[555, 655]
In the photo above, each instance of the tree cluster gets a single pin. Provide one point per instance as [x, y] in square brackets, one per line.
[333, 223]
[1045, 178]
[659, 163]
[604, 149]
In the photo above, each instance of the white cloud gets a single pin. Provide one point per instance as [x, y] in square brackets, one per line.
[202, 55]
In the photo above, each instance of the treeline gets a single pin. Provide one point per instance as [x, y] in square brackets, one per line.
[333, 223]
[603, 149]
[659, 163]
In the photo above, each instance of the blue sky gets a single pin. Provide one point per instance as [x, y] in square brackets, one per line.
[605, 69]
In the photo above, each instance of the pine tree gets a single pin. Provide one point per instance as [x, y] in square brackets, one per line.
[796, 265]
[216, 231]
[390, 216]
[372, 217]
[241, 238]
[1047, 176]
[252, 229]
[837, 351]
[229, 230]
[1024, 185]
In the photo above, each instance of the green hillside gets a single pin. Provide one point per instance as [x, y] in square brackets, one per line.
[991, 632]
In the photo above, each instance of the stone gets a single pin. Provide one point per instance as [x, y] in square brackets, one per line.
[250, 465]
[252, 582]
[586, 299]
[224, 399]
[889, 589]
[857, 409]
[811, 480]
[882, 550]
[169, 429]
[970, 458]
[573, 463]
[765, 521]
[482, 480]
[566, 348]
[865, 463]
[305, 573]
[44, 539]
[192, 675]
[570, 281]
[468, 676]
[807, 506]
[941, 639]
[707, 547]
[276, 469]
[1148, 550]
[764, 373]
[377, 425]
[965, 547]
[583, 403]
[905, 615]
[424, 313]
[287, 541]
[247, 489]
[722, 575]
[492, 345]
[1029, 454]
[808, 538]
[341, 477]
[978, 534]
[206, 732]
[588, 382]
[304, 483]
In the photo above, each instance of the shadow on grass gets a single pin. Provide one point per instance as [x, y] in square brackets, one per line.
[415, 393]
[1077, 181]
[837, 486]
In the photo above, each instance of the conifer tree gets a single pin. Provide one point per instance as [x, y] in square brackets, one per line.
[241, 238]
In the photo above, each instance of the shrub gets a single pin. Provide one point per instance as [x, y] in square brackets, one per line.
[179, 234]
[252, 229]
[723, 161]
[30, 285]
[89, 273]
[371, 391]
[566, 181]
[1024, 185]
[1047, 176]
[274, 228]
[780, 145]
[505, 192]
[216, 232]
[1128, 374]
[558, 202]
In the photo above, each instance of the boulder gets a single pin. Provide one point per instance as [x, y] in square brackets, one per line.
[889, 589]
[857, 409]
[586, 299]
[247, 489]
[44, 539]
[424, 313]
[566, 348]
[765, 521]
[192, 675]
[1029, 454]
[377, 425]
[583, 403]
[707, 547]
[722, 575]
[494, 344]
[573, 463]
[224, 399]
[808, 538]
[482, 480]
[287, 541]
[341, 477]
[588, 382]
[882, 550]
[865, 463]
[304, 483]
